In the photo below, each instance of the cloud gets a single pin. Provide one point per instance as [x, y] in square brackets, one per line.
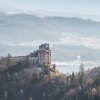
[74, 40]
[67, 39]
[76, 63]
[64, 63]
[34, 43]
[73, 66]
[23, 44]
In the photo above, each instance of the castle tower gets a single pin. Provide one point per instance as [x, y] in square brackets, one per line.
[44, 54]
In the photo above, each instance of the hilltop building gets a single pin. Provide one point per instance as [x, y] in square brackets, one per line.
[44, 54]
[39, 58]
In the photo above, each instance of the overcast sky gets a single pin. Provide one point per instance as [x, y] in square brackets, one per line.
[83, 7]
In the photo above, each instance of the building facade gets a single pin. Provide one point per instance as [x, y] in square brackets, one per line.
[44, 54]
[41, 57]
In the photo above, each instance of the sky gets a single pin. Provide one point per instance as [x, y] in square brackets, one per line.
[68, 39]
[86, 8]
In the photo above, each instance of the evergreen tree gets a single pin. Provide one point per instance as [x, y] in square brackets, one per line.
[8, 62]
[81, 76]
[27, 62]
[47, 70]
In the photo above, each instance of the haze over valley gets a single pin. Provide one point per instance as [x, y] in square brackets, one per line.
[69, 37]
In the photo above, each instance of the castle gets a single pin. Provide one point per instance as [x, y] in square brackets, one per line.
[38, 58]
[41, 56]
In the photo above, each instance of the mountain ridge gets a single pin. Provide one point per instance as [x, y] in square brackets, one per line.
[17, 28]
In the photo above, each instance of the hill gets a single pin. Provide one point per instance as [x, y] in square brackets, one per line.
[69, 36]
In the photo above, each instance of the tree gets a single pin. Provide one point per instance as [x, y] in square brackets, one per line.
[72, 77]
[27, 62]
[47, 70]
[8, 63]
[81, 76]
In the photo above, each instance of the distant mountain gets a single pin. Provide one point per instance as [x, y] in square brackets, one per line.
[70, 36]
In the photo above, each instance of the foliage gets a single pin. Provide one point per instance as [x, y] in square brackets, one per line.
[20, 83]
